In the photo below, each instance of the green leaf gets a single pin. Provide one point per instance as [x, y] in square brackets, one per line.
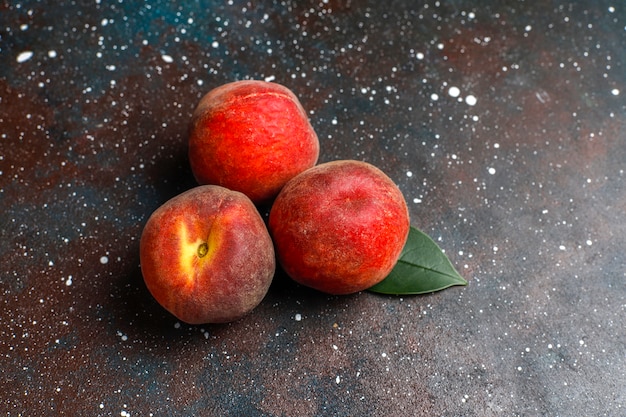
[422, 268]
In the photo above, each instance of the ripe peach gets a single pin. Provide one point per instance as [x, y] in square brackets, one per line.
[251, 136]
[339, 227]
[206, 255]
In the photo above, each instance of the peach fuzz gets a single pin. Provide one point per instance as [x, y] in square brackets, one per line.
[251, 136]
[339, 227]
[206, 255]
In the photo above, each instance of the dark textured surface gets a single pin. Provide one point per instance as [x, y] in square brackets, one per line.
[524, 188]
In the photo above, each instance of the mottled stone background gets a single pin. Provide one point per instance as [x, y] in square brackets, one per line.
[503, 122]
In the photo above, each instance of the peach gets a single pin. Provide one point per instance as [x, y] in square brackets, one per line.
[206, 255]
[339, 227]
[251, 136]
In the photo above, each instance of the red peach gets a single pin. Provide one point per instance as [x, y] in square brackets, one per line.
[339, 227]
[206, 255]
[251, 136]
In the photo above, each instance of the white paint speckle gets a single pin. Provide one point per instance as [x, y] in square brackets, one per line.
[454, 91]
[104, 260]
[24, 56]
[167, 58]
[52, 53]
[338, 379]
[409, 174]
[471, 100]
[434, 97]
[298, 317]
[491, 170]
[68, 281]
[615, 92]
[270, 78]
[419, 56]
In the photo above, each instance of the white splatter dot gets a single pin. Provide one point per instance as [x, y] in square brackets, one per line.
[419, 56]
[338, 379]
[454, 91]
[562, 247]
[491, 170]
[270, 78]
[615, 92]
[434, 97]
[298, 317]
[471, 100]
[24, 56]
[104, 260]
[589, 242]
[409, 174]
[167, 58]
[68, 281]
[52, 53]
